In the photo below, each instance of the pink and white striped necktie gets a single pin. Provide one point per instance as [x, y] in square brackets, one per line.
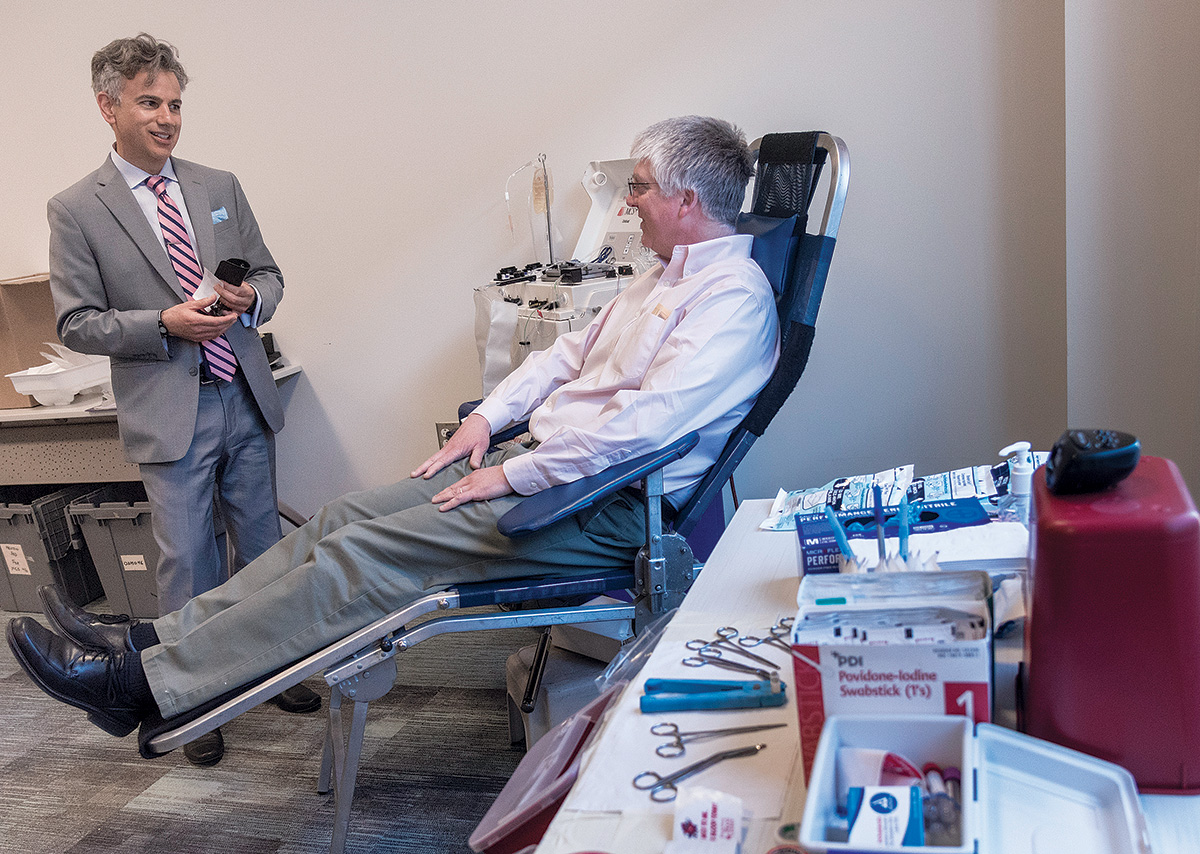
[217, 352]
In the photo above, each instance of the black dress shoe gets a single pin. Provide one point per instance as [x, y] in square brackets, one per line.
[205, 750]
[92, 680]
[95, 631]
[297, 700]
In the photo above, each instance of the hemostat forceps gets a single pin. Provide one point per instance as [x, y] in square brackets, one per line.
[724, 643]
[663, 789]
[675, 747]
[776, 637]
[771, 676]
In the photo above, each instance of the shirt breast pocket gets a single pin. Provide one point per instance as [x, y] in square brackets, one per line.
[637, 345]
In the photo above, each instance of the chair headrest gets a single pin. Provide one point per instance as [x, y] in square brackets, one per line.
[774, 245]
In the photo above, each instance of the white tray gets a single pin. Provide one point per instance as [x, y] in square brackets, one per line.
[1021, 795]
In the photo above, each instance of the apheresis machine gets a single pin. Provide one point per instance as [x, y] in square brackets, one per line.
[525, 309]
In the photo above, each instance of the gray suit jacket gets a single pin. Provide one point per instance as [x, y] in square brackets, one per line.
[110, 278]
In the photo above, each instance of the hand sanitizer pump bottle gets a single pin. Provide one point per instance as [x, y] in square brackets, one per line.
[1014, 507]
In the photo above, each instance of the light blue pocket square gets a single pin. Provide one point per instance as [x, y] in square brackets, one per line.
[219, 215]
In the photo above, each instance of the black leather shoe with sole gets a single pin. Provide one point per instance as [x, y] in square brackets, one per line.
[205, 750]
[94, 631]
[297, 700]
[87, 679]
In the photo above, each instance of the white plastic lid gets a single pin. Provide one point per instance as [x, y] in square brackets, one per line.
[1046, 799]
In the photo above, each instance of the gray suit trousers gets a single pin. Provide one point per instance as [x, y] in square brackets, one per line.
[360, 558]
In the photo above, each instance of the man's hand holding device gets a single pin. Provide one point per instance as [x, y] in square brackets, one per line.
[191, 321]
[215, 306]
[232, 295]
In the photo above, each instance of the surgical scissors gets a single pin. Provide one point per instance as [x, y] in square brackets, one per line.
[663, 789]
[675, 747]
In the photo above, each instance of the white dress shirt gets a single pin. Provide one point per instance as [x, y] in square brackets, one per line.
[685, 347]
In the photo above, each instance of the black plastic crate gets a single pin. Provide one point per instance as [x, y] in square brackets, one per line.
[42, 545]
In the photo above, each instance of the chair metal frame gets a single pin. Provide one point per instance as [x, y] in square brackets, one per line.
[361, 667]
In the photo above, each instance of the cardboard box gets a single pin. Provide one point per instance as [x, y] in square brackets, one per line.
[897, 677]
[27, 321]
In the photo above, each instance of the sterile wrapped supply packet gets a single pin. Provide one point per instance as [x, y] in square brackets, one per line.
[889, 625]
[707, 821]
[985, 483]
[844, 493]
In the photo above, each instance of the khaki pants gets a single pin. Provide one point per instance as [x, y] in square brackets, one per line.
[360, 558]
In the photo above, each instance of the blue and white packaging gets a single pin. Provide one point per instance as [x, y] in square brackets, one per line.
[886, 815]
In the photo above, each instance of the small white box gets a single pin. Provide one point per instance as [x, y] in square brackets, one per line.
[1020, 795]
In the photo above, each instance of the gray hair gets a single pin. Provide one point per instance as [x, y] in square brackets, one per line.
[123, 59]
[708, 156]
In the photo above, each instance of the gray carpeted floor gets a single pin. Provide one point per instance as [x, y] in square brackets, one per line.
[436, 754]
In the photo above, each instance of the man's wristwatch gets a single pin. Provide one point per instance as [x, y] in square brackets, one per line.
[162, 327]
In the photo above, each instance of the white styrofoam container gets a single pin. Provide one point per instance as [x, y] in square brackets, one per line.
[52, 385]
[1021, 795]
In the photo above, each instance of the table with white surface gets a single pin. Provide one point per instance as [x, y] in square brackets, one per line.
[750, 581]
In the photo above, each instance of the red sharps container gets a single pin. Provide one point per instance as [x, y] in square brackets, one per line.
[1113, 635]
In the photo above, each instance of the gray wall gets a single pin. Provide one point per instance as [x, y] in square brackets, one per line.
[1133, 222]
[374, 141]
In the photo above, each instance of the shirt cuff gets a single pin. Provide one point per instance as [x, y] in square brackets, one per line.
[250, 317]
[494, 412]
[522, 474]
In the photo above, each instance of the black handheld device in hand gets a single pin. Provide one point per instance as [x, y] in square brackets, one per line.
[231, 271]
[1090, 460]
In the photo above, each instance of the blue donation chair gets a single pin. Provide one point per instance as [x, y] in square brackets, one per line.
[362, 667]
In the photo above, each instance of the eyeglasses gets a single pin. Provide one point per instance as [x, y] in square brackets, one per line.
[637, 188]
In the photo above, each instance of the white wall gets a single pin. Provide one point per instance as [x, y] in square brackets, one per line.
[374, 140]
[1133, 225]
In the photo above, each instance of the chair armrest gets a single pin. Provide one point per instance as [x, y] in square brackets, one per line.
[548, 506]
[512, 431]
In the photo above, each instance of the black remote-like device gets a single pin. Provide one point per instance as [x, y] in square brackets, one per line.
[231, 271]
[1090, 460]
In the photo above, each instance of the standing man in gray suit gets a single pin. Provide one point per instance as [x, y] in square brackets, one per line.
[197, 406]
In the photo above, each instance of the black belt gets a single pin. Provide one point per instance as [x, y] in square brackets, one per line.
[207, 378]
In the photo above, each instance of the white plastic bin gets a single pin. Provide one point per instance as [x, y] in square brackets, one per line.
[1020, 795]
